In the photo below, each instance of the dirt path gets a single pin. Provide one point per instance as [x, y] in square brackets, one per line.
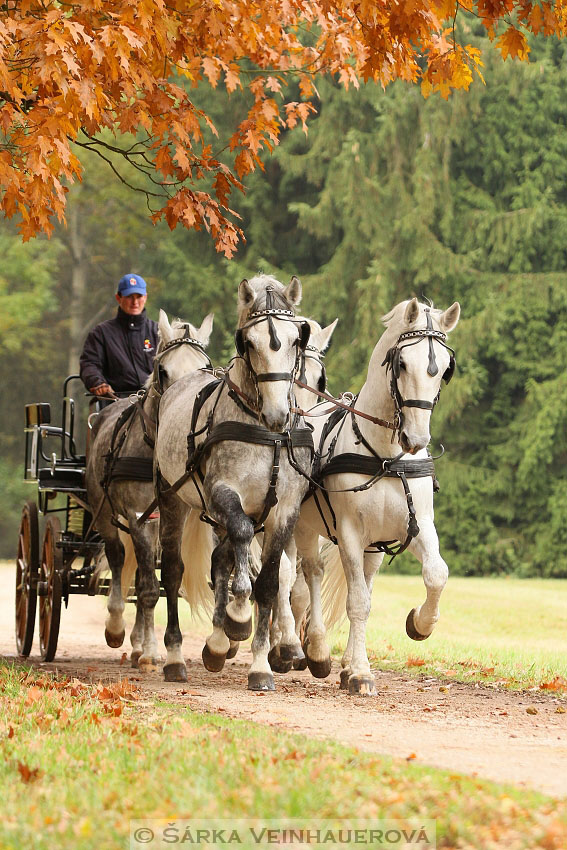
[464, 728]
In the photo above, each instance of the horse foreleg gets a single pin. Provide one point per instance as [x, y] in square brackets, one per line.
[172, 517]
[315, 647]
[114, 631]
[225, 506]
[421, 620]
[372, 562]
[144, 540]
[357, 568]
[217, 644]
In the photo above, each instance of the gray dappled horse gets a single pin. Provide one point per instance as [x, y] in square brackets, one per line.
[119, 481]
[378, 486]
[236, 466]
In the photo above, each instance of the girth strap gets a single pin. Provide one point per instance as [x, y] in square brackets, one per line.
[385, 467]
[133, 469]
[242, 432]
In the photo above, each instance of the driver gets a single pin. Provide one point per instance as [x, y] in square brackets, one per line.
[118, 354]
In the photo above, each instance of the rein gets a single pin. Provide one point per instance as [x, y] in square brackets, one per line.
[339, 404]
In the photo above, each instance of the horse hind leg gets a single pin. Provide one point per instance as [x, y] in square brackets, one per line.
[315, 644]
[137, 633]
[172, 518]
[286, 651]
[260, 676]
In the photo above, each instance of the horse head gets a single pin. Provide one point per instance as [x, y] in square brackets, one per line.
[181, 349]
[312, 367]
[417, 361]
[269, 341]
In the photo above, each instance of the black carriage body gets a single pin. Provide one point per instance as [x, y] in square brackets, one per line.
[53, 462]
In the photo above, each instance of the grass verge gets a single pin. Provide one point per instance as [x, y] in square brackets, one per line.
[80, 761]
[505, 630]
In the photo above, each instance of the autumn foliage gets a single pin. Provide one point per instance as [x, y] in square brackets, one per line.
[69, 71]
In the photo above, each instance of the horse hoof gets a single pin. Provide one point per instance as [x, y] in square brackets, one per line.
[319, 669]
[175, 672]
[411, 630]
[344, 680]
[213, 662]
[148, 664]
[114, 640]
[362, 685]
[235, 630]
[232, 651]
[261, 682]
[277, 662]
[291, 652]
[134, 656]
[300, 663]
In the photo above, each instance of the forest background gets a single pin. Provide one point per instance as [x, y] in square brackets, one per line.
[389, 195]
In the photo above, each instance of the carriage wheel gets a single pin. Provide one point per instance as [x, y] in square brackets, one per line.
[27, 565]
[49, 589]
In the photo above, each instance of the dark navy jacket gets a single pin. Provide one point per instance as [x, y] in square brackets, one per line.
[120, 352]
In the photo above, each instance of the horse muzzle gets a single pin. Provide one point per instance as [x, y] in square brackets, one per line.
[412, 443]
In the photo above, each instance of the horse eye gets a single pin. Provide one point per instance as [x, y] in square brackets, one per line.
[402, 365]
[251, 345]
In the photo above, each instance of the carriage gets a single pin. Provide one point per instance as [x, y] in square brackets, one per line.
[46, 574]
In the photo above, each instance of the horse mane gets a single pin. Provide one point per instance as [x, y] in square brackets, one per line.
[396, 313]
[260, 283]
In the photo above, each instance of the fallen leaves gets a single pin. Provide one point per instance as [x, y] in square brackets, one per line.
[29, 774]
[556, 684]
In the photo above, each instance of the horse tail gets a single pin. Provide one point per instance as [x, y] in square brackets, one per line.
[196, 551]
[334, 587]
[129, 566]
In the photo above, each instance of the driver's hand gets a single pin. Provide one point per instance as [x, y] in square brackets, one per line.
[102, 390]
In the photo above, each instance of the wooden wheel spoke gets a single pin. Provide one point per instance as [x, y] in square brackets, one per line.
[27, 565]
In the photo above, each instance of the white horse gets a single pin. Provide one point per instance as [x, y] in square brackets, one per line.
[293, 596]
[234, 466]
[390, 504]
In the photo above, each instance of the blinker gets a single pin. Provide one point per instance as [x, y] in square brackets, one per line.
[432, 367]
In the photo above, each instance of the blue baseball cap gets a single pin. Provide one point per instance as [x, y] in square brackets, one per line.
[132, 284]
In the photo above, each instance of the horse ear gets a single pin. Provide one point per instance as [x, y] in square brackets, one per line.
[165, 331]
[320, 339]
[204, 332]
[246, 294]
[412, 311]
[448, 320]
[293, 291]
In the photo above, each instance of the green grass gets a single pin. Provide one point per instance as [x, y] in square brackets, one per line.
[79, 762]
[512, 630]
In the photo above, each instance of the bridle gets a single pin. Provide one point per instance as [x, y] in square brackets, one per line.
[158, 374]
[393, 361]
[318, 357]
[243, 349]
